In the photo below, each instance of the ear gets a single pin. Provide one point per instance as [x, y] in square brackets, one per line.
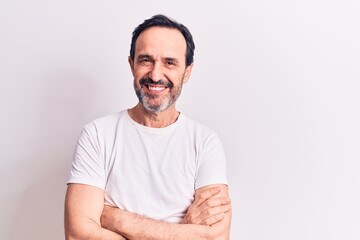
[131, 63]
[187, 73]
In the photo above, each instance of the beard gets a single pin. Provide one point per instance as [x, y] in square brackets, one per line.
[155, 103]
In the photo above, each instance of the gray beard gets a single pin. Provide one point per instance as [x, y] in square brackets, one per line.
[160, 105]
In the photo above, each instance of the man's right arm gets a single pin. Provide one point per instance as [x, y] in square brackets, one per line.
[83, 207]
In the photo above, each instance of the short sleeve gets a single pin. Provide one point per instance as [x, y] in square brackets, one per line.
[212, 163]
[88, 164]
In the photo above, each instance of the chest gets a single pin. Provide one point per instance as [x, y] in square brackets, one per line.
[152, 175]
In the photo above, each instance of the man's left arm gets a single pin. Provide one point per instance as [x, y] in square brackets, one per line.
[214, 211]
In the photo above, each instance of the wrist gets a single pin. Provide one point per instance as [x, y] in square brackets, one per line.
[111, 219]
[200, 232]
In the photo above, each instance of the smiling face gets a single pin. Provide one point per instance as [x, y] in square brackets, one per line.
[159, 68]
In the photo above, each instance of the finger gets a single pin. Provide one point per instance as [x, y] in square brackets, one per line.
[214, 202]
[192, 217]
[213, 219]
[205, 195]
[214, 211]
[197, 215]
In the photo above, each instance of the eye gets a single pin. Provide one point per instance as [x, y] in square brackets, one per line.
[170, 63]
[144, 61]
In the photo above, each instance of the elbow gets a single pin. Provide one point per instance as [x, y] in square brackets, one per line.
[71, 235]
[75, 234]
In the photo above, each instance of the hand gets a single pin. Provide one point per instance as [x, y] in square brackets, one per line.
[108, 217]
[207, 209]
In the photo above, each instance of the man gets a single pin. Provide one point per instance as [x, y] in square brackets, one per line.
[150, 172]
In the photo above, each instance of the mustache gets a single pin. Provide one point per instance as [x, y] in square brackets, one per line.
[148, 80]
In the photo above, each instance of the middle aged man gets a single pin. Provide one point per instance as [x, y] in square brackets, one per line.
[150, 172]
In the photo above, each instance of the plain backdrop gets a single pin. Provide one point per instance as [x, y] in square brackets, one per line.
[278, 80]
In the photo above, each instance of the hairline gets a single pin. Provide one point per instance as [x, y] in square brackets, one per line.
[170, 24]
[168, 27]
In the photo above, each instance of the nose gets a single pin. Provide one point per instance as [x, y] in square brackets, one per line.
[156, 73]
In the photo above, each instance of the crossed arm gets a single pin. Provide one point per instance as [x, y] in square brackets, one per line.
[86, 217]
[83, 207]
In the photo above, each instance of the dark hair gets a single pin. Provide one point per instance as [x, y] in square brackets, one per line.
[163, 21]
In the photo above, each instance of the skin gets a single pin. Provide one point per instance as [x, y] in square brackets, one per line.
[133, 226]
[160, 56]
[210, 206]
[83, 207]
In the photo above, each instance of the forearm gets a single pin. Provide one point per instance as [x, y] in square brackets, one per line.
[221, 230]
[133, 226]
[209, 204]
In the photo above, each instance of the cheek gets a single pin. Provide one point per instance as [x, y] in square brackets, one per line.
[139, 72]
[174, 77]
[137, 75]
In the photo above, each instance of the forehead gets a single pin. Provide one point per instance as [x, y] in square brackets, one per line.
[162, 42]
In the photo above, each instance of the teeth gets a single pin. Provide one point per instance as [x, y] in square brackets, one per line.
[156, 88]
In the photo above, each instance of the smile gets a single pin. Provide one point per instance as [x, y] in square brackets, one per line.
[156, 88]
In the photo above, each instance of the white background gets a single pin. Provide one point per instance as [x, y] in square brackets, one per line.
[278, 80]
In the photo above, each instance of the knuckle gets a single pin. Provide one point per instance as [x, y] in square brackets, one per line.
[207, 222]
[203, 214]
[202, 196]
[191, 220]
[206, 213]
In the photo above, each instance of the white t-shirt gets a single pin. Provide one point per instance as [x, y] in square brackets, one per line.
[153, 172]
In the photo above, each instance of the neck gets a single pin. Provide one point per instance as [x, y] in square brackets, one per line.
[156, 120]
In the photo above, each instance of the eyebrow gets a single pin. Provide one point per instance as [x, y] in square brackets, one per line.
[142, 56]
[175, 60]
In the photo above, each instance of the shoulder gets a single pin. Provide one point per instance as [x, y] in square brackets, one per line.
[107, 121]
[199, 131]
[104, 125]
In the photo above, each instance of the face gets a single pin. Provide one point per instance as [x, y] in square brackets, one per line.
[159, 68]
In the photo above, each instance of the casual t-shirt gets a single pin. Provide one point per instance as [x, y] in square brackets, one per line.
[153, 172]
